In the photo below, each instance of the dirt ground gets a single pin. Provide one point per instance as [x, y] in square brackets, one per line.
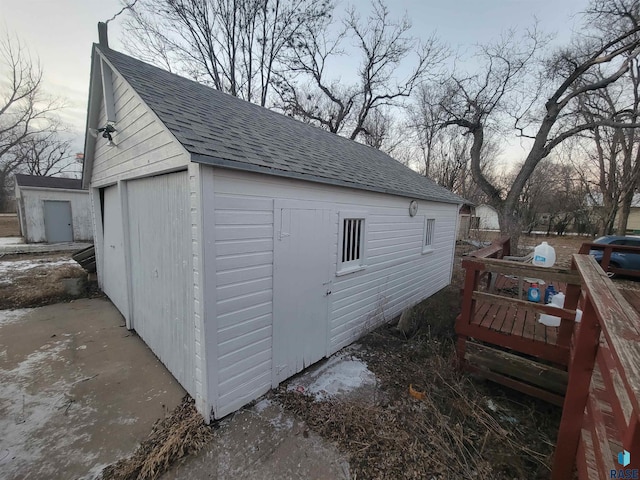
[32, 280]
[9, 225]
[565, 245]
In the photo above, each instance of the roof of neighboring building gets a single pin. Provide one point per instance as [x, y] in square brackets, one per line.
[222, 130]
[48, 182]
[596, 200]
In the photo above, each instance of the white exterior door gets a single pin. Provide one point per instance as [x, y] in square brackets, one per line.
[57, 221]
[161, 271]
[301, 288]
[114, 282]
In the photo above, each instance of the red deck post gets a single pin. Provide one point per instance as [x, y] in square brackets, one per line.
[631, 441]
[466, 312]
[567, 325]
[575, 399]
[606, 257]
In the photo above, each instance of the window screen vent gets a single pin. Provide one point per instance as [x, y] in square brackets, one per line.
[352, 239]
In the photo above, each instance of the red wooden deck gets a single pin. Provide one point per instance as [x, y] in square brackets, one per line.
[591, 368]
[511, 320]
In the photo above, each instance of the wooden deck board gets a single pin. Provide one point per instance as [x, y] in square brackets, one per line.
[501, 317]
[480, 311]
[632, 296]
[529, 326]
[511, 320]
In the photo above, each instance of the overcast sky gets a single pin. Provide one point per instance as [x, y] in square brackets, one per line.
[60, 32]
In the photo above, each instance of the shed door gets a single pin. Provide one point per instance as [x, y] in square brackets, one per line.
[161, 271]
[57, 221]
[114, 281]
[301, 289]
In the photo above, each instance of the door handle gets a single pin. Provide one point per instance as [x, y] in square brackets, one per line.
[328, 293]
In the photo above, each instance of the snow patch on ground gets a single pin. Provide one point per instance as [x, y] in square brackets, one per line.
[9, 267]
[11, 240]
[125, 421]
[262, 405]
[27, 409]
[13, 316]
[281, 422]
[339, 375]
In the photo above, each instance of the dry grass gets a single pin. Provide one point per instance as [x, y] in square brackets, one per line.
[41, 285]
[460, 429]
[9, 226]
[181, 433]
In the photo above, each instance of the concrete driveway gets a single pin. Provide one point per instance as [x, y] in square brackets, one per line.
[77, 390]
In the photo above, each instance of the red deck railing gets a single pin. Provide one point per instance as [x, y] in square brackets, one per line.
[608, 249]
[601, 413]
[601, 406]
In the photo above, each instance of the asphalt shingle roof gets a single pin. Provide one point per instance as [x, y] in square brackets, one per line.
[48, 182]
[219, 129]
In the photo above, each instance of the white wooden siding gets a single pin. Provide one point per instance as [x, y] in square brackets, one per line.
[32, 201]
[160, 239]
[144, 145]
[243, 292]
[397, 273]
[114, 277]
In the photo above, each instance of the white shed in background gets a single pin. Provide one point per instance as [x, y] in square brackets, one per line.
[53, 209]
[243, 245]
[487, 217]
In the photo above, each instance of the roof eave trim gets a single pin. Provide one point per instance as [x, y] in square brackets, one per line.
[248, 167]
[54, 189]
[92, 118]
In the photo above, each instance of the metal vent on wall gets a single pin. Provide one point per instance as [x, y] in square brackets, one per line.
[430, 227]
[352, 239]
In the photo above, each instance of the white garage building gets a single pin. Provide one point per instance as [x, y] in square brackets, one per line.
[243, 245]
[53, 209]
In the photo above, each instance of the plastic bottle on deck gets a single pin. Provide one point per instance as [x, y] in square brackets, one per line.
[544, 255]
[549, 292]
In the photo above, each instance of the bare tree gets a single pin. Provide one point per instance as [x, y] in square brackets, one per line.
[509, 87]
[46, 154]
[384, 46]
[445, 151]
[25, 111]
[233, 45]
[553, 198]
[426, 118]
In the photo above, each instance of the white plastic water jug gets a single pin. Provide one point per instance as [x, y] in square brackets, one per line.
[551, 320]
[557, 300]
[544, 255]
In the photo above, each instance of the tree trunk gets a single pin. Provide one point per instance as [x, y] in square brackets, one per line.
[510, 225]
[623, 217]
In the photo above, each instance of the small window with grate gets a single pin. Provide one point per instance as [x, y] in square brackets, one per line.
[429, 234]
[351, 243]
